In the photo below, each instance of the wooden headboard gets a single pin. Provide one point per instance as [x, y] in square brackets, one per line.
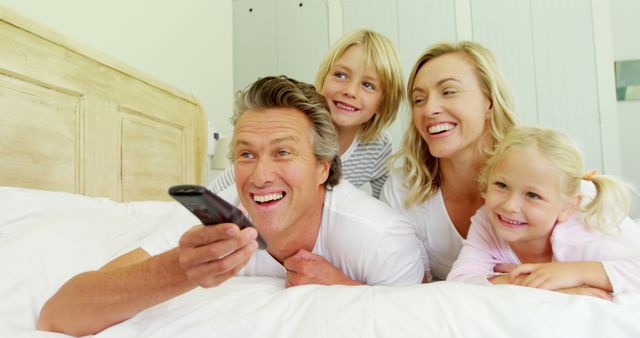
[74, 120]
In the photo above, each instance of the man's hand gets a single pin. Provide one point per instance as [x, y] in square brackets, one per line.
[308, 268]
[209, 255]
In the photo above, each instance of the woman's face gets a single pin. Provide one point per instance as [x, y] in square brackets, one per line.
[450, 111]
[354, 93]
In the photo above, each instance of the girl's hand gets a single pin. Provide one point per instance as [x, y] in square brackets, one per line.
[504, 267]
[561, 275]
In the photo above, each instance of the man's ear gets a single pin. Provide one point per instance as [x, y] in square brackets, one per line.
[323, 170]
[573, 205]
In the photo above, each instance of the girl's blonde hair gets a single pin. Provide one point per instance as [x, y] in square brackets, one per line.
[380, 55]
[612, 200]
[421, 169]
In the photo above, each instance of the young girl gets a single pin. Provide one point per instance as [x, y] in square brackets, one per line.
[532, 186]
[361, 79]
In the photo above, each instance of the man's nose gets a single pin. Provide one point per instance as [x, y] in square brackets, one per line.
[262, 173]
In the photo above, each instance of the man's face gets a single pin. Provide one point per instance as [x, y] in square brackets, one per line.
[278, 177]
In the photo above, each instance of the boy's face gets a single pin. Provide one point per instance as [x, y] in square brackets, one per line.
[523, 200]
[278, 178]
[354, 94]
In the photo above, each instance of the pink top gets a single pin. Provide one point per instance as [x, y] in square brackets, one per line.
[571, 241]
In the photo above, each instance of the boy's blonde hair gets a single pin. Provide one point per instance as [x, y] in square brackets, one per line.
[421, 169]
[612, 200]
[380, 55]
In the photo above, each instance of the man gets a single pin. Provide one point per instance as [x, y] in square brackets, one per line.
[287, 172]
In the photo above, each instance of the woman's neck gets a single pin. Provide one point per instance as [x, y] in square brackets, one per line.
[460, 191]
[460, 176]
[346, 135]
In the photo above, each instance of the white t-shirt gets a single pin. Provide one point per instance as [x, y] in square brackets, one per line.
[359, 235]
[432, 223]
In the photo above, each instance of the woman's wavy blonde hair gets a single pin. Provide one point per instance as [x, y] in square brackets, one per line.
[381, 55]
[421, 169]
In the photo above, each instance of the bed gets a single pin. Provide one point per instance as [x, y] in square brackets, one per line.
[88, 148]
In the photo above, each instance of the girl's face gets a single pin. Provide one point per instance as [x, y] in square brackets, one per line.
[523, 200]
[354, 94]
[450, 111]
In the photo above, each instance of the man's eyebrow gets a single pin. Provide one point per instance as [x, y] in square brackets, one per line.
[285, 139]
[274, 141]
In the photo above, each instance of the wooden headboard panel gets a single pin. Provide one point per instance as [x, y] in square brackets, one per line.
[74, 120]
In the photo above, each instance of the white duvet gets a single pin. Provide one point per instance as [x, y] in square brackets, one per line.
[47, 237]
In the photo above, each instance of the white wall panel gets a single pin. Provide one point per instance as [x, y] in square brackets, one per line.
[546, 51]
[303, 37]
[510, 40]
[254, 41]
[274, 37]
[625, 27]
[421, 24]
[566, 73]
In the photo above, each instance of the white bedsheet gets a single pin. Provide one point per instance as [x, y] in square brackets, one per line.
[47, 237]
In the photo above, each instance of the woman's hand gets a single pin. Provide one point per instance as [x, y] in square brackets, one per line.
[588, 291]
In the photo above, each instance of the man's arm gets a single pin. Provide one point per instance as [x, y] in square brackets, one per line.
[93, 301]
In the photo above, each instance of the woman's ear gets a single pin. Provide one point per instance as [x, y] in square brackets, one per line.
[573, 205]
[489, 108]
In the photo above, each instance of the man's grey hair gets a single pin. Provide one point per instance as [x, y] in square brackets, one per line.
[283, 92]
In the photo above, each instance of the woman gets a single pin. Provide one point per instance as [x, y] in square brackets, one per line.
[461, 107]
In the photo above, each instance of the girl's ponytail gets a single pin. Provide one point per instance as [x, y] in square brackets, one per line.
[609, 206]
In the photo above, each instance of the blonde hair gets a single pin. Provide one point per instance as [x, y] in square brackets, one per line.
[421, 169]
[612, 200]
[283, 92]
[381, 55]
